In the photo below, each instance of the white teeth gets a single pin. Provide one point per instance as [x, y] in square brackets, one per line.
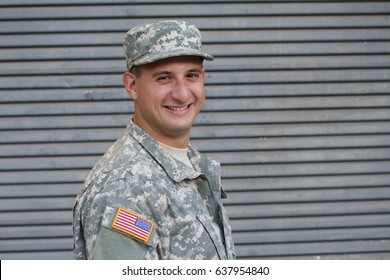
[177, 108]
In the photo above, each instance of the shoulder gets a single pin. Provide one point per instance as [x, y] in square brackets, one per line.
[118, 156]
[125, 172]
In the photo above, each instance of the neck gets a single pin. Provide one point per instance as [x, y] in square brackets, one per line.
[180, 141]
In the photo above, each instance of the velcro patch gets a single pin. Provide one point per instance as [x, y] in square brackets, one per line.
[133, 224]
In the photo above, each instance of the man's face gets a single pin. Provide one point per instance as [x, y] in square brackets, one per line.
[168, 96]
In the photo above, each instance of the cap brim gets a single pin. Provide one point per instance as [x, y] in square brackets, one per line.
[172, 53]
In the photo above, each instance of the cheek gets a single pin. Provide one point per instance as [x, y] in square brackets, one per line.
[201, 98]
[149, 94]
[197, 89]
[201, 94]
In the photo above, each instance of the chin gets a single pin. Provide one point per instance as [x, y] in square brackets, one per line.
[180, 129]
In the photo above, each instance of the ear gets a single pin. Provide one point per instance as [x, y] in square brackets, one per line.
[129, 82]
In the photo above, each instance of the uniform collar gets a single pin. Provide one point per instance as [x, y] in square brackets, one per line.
[176, 170]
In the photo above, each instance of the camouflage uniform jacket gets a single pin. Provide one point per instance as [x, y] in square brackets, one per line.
[137, 177]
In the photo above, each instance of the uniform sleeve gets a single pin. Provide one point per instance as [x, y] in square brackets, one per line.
[79, 250]
[123, 243]
[94, 234]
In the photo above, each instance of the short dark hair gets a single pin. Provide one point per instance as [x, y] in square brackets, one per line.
[136, 71]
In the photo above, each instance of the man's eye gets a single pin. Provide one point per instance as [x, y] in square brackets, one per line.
[193, 75]
[163, 78]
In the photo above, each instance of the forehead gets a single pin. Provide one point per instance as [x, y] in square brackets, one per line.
[174, 62]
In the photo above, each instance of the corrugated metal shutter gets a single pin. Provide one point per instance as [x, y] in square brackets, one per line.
[297, 112]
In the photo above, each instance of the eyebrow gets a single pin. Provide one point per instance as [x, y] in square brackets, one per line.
[162, 73]
[165, 72]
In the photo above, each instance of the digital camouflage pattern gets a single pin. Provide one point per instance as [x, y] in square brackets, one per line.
[155, 41]
[184, 204]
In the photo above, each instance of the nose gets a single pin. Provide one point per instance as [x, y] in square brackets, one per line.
[181, 91]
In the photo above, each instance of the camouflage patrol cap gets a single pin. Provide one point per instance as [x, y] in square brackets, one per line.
[154, 41]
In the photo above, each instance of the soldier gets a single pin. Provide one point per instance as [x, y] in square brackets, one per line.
[152, 195]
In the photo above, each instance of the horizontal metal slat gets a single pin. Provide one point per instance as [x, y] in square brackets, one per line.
[220, 51]
[204, 145]
[252, 77]
[59, 95]
[53, 3]
[369, 255]
[306, 169]
[186, 9]
[126, 107]
[319, 248]
[212, 131]
[236, 63]
[15, 218]
[233, 187]
[308, 195]
[304, 182]
[316, 222]
[290, 209]
[293, 48]
[40, 190]
[282, 130]
[40, 231]
[44, 177]
[212, 91]
[226, 158]
[57, 108]
[75, 175]
[285, 116]
[36, 204]
[54, 149]
[37, 255]
[48, 163]
[66, 135]
[299, 76]
[116, 120]
[312, 235]
[249, 36]
[45, 244]
[313, 156]
[347, 256]
[295, 35]
[226, 22]
[308, 209]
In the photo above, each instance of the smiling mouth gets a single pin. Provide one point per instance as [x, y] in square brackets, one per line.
[178, 108]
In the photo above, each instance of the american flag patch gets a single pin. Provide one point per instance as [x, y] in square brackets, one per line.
[132, 224]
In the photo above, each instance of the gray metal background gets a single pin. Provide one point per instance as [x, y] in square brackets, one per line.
[297, 112]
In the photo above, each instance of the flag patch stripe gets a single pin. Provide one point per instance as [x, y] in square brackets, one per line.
[132, 224]
[130, 227]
